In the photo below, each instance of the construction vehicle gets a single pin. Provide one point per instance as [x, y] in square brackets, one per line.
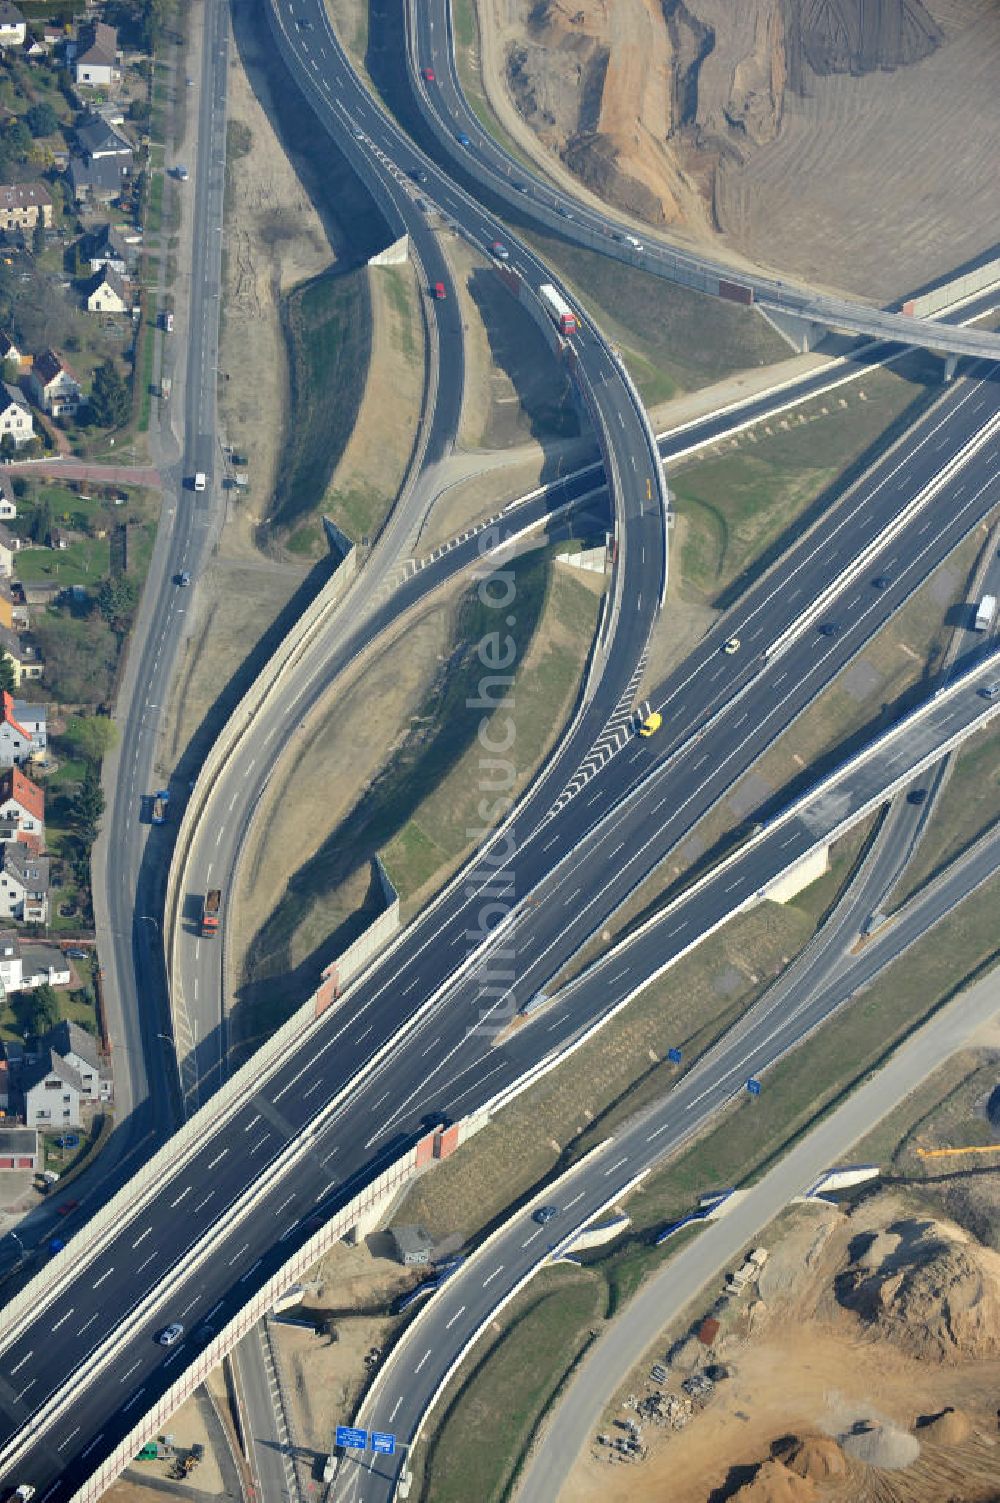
[160, 802]
[210, 913]
[651, 724]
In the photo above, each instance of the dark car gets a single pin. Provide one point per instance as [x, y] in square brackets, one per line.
[419, 175]
[545, 1214]
[521, 187]
[830, 629]
[76, 954]
[882, 581]
[917, 796]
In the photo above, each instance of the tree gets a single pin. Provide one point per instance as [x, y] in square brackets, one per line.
[41, 1010]
[8, 448]
[18, 138]
[8, 679]
[116, 598]
[109, 398]
[38, 237]
[91, 736]
[41, 119]
[88, 805]
[41, 522]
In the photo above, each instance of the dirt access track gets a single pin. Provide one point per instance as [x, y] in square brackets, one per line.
[850, 145]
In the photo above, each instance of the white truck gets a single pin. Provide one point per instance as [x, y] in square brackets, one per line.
[985, 612]
[558, 309]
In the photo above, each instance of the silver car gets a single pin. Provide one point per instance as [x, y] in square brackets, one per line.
[171, 1335]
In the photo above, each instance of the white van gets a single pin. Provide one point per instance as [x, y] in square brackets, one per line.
[200, 480]
[633, 242]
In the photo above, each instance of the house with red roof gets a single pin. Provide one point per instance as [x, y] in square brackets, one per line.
[22, 810]
[17, 744]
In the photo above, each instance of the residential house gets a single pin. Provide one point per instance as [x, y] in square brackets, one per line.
[13, 27]
[97, 138]
[105, 246]
[24, 885]
[50, 1090]
[52, 37]
[17, 743]
[11, 972]
[44, 965]
[10, 544]
[97, 181]
[79, 1050]
[8, 506]
[16, 421]
[19, 1149]
[22, 805]
[107, 293]
[96, 62]
[27, 661]
[22, 204]
[31, 720]
[9, 350]
[53, 385]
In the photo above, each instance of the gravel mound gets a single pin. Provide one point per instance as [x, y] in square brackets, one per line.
[950, 1428]
[882, 1446]
[815, 1457]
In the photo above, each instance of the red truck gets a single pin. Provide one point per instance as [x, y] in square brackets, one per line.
[210, 913]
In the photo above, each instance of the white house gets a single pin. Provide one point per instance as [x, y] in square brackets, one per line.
[106, 293]
[51, 1091]
[54, 386]
[97, 57]
[15, 416]
[11, 969]
[8, 506]
[13, 27]
[24, 885]
[22, 807]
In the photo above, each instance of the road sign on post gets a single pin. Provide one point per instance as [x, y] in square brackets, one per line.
[351, 1439]
[383, 1443]
[753, 1086]
[674, 1056]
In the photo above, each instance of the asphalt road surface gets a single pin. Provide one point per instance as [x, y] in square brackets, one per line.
[425, 1357]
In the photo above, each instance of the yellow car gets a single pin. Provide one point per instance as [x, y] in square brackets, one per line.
[651, 724]
[731, 647]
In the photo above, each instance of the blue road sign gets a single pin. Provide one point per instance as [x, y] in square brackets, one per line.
[352, 1439]
[674, 1056]
[753, 1086]
[383, 1443]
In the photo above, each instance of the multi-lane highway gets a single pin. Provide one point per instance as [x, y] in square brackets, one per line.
[798, 1003]
[711, 696]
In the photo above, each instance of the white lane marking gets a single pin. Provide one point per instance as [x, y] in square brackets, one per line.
[422, 1360]
[454, 1318]
[491, 1276]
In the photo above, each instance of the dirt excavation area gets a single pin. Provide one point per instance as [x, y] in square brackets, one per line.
[860, 1362]
[849, 144]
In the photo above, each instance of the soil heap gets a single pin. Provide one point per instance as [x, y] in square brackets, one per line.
[929, 1290]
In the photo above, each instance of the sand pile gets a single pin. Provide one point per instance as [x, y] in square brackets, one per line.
[815, 1457]
[931, 1291]
[774, 1483]
[950, 1428]
[882, 1446]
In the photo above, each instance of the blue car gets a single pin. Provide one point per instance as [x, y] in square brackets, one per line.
[463, 139]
